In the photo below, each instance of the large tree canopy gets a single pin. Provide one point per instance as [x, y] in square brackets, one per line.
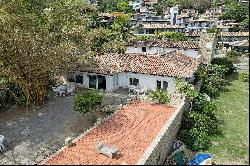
[40, 39]
[235, 11]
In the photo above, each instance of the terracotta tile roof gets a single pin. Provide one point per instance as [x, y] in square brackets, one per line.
[235, 33]
[172, 64]
[131, 130]
[162, 26]
[164, 43]
[184, 15]
[192, 34]
[242, 43]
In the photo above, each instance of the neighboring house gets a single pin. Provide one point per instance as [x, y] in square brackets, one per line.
[149, 3]
[195, 36]
[226, 25]
[111, 71]
[188, 48]
[136, 4]
[173, 14]
[153, 28]
[199, 24]
[240, 45]
[183, 19]
[226, 38]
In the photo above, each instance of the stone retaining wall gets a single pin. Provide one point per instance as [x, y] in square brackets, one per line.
[161, 146]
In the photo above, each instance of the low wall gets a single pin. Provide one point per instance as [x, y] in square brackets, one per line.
[161, 146]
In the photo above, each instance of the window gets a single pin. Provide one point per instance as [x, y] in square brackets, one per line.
[144, 49]
[79, 79]
[162, 85]
[158, 84]
[165, 85]
[133, 81]
[71, 77]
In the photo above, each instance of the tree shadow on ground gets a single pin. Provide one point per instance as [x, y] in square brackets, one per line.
[232, 77]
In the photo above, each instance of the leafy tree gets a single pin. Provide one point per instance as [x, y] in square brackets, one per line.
[186, 89]
[123, 6]
[213, 79]
[41, 39]
[144, 38]
[226, 63]
[233, 55]
[235, 11]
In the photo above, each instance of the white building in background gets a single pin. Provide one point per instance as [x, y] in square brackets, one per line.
[111, 71]
[173, 12]
[188, 48]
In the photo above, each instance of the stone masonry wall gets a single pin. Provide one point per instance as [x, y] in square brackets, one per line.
[162, 144]
[207, 45]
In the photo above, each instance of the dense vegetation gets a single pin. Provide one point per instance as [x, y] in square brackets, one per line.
[200, 5]
[200, 123]
[41, 39]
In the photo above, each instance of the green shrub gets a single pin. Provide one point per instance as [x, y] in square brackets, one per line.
[226, 62]
[199, 124]
[233, 55]
[144, 37]
[244, 77]
[195, 139]
[175, 36]
[87, 101]
[160, 95]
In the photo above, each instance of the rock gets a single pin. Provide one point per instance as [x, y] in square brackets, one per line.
[69, 141]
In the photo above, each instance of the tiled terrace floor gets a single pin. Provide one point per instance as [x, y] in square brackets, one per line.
[131, 130]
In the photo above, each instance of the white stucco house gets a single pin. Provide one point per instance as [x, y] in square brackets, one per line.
[111, 71]
[189, 48]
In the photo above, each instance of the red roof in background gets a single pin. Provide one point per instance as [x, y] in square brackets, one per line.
[131, 131]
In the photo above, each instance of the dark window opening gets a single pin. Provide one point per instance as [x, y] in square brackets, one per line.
[133, 81]
[158, 84]
[165, 85]
[79, 79]
[92, 81]
[71, 77]
[144, 49]
[101, 82]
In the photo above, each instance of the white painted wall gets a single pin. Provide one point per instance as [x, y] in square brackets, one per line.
[146, 80]
[154, 50]
[122, 80]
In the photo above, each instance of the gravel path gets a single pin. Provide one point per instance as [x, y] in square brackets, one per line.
[32, 135]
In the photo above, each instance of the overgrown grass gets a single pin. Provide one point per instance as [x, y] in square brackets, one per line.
[232, 146]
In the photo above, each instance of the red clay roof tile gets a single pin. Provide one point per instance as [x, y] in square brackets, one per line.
[131, 130]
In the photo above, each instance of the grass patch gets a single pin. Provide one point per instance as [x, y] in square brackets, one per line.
[232, 146]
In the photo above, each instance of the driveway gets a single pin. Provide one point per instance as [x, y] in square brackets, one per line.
[32, 135]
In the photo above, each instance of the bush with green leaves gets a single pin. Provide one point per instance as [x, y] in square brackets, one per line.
[175, 36]
[226, 62]
[87, 101]
[213, 78]
[161, 96]
[244, 77]
[200, 122]
[144, 38]
[233, 55]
